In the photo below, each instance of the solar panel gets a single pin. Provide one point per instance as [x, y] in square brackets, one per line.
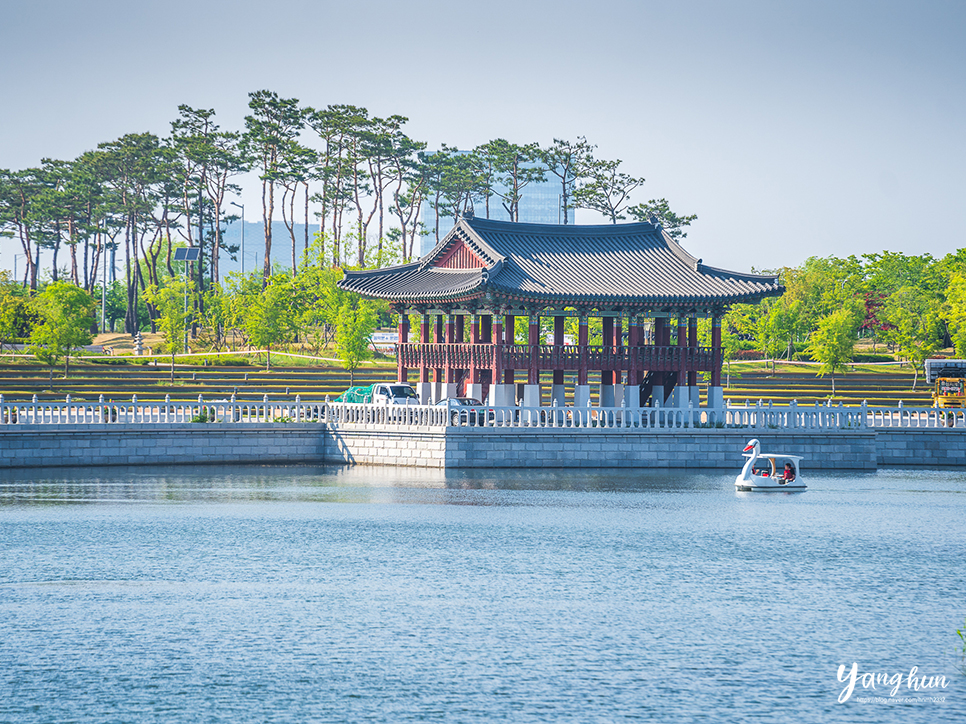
[186, 254]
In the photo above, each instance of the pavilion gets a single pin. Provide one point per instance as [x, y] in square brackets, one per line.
[634, 277]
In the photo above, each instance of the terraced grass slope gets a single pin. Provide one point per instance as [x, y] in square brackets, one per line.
[879, 386]
[119, 382]
[20, 381]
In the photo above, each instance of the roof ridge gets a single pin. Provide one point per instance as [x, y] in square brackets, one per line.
[463, 232]
[635, 227]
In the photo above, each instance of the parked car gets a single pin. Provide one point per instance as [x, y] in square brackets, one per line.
[465, 411]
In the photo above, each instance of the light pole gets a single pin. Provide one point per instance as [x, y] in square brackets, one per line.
[242, 207]
[187, 255]
[15, 256]
[103, 285]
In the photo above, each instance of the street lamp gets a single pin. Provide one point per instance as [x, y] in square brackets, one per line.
[242, 207]
[186, 254]
[15, 257]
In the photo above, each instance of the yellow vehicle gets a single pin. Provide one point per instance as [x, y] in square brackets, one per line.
[948, 377]
[949, 392]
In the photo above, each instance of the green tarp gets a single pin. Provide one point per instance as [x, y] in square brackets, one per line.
[356, 394]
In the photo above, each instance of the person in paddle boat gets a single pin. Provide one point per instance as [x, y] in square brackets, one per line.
[769, 471]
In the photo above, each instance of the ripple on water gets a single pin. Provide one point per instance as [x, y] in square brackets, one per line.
[282, 594]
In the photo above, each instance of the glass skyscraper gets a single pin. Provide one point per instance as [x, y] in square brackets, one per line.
[541, 202]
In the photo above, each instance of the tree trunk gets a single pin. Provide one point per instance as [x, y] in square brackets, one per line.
[268, 211]
[53, 274]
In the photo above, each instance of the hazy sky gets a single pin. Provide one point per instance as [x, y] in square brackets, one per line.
[791, 129]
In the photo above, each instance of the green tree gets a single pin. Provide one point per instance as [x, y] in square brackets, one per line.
[606, 189]
[516, 167]
[567, 160]
[954, 312]
[271, 319]
[661, 211]
[207, 159]
[833, 343]
[239, 294]
[917, 329]
[67, 312]
[174, 314]
[16, 315]
[271, 132]
[356, 321]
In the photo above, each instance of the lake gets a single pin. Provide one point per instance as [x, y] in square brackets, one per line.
[323, 594]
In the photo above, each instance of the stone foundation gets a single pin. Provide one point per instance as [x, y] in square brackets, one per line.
[452, 447]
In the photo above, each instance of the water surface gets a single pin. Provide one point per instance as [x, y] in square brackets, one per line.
[281, 594]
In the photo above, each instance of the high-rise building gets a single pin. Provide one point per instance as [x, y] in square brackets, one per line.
[541, 202]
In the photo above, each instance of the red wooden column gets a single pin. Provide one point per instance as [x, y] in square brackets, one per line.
[606, 376]
[635, 342]
[475, 326]
[440, 338]
[558, 341]
[424, 332]
[533, 371]
[402, 373]
[682, 355]
[618, 348]
[662, 333]
[693, 345]
[509, 332]
[716, 348]
[497, 340]
[583, 339]
[450, 339]
[476, 376]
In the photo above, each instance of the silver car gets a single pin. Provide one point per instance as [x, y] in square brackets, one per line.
[465, 411]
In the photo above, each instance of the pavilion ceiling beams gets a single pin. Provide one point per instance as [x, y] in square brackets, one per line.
[494, 307]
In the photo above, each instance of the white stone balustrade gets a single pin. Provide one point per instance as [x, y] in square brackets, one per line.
[758, 416]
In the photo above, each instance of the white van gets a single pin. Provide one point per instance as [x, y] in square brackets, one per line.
[394, 394]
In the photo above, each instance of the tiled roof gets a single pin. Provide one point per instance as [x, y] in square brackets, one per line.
[621, 265]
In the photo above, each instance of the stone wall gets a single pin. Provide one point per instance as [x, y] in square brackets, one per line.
[933, 446]
[423, 447]
[592, 448]
[146, 444]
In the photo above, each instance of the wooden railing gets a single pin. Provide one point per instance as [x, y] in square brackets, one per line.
[559, 357]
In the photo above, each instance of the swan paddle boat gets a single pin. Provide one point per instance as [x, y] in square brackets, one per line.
[769, 472]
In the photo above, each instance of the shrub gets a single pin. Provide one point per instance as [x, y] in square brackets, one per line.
[118, 361]
[217, 361]
[748, 354]
[873, 358]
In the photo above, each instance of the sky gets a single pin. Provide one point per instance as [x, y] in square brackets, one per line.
[792, 129]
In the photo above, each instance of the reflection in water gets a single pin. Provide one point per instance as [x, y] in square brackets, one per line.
[253, 594]
[316, 483]
[353, 484]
